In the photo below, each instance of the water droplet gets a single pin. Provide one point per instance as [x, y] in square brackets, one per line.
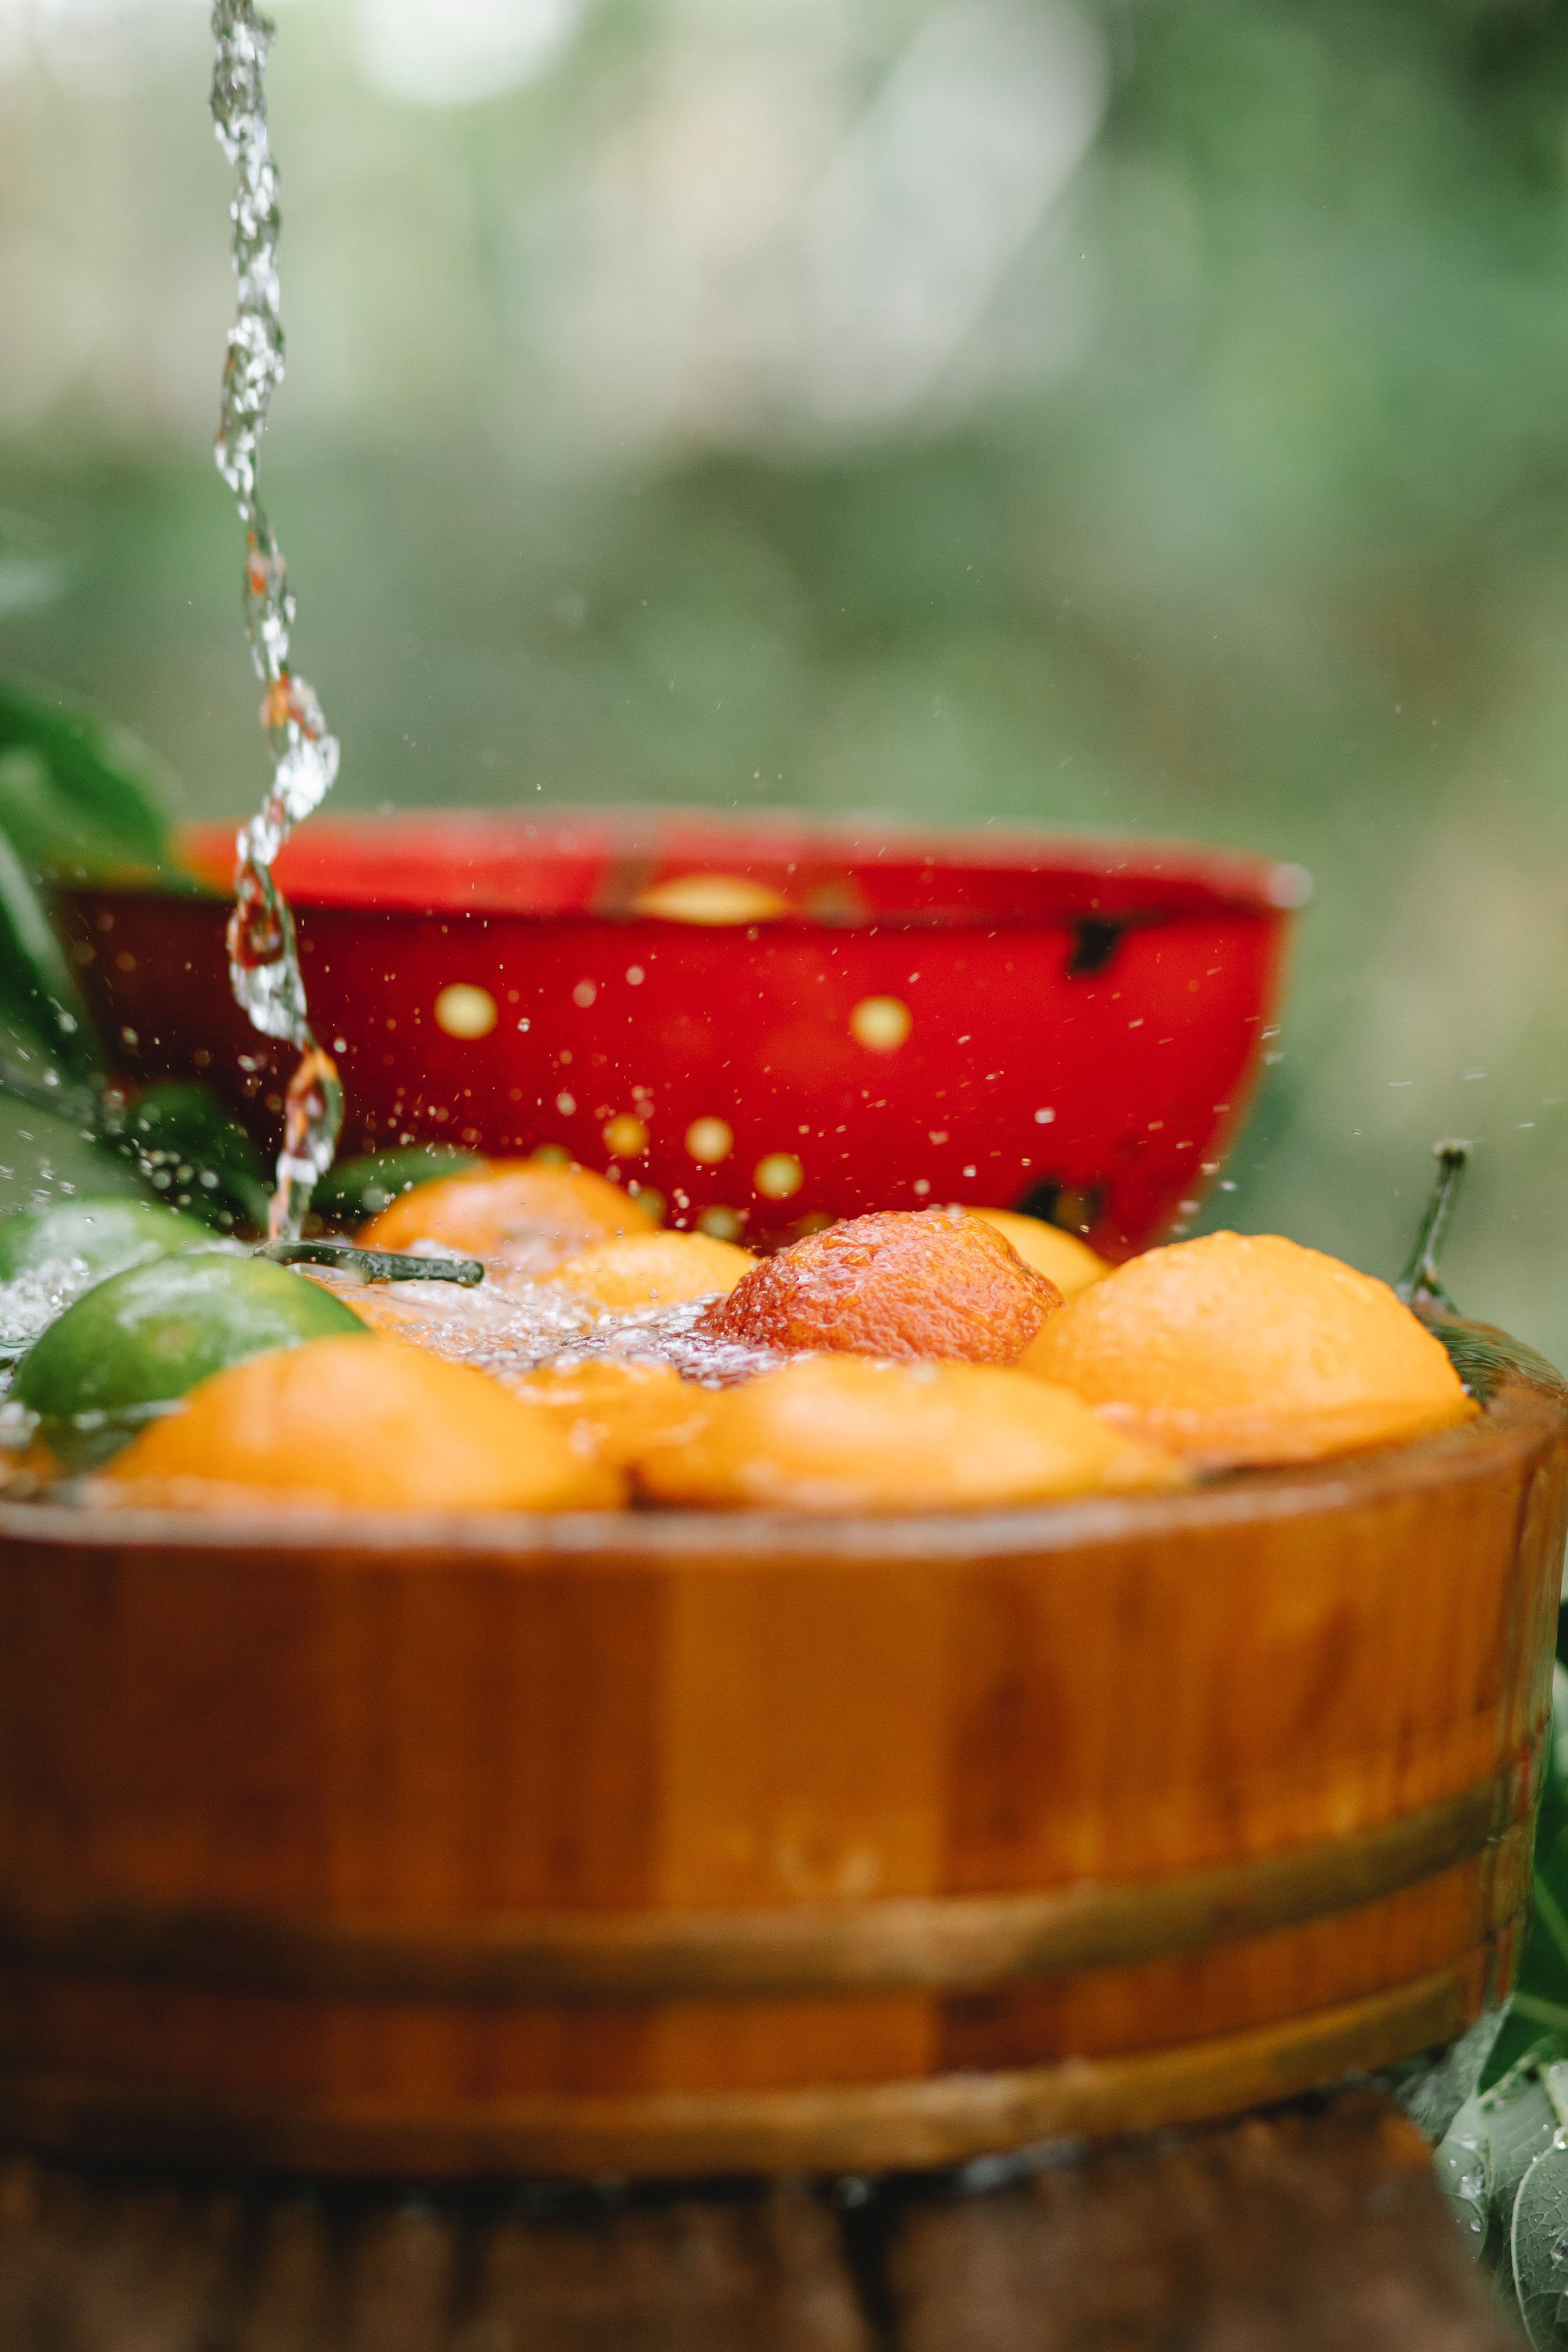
[709, 1140]
[463, 1011]
[881, 1024]
[778, 1175]
[626, 1134]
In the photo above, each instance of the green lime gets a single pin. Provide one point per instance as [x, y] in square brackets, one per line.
[357, 1190]
[143, 1338]
[105, 1235]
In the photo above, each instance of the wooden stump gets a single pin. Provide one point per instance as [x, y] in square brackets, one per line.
[1306, 2231]
[1295, 2233]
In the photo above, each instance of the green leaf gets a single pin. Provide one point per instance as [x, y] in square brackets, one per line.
[38, 987]
[1540, 1999]
[190, 1147]
[79, 796]
[356, 1190]
[1538, 2239]
[1464, 2166]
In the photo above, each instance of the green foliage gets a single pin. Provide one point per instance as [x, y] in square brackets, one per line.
[79, 798]
[76, 798]
[356, 1190]
[1504, 2163]
[38, 994]
[193, 1152]
[1541, 2001]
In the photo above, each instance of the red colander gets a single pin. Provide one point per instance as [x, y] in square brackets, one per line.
[771, 1021]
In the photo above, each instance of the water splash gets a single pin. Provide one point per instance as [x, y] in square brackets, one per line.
[263, 960]
[510, 1326]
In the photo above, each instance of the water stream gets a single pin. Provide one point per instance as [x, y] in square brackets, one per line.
[264, 963]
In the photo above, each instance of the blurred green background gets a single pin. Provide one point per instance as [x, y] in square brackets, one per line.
[1147, 415]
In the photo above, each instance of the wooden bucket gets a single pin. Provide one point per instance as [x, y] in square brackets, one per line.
[678, 1844]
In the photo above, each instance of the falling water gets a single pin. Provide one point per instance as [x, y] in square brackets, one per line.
[264, 963]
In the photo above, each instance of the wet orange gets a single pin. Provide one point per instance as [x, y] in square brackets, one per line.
[840, 1433]
[364, 1422]
[1249, 1348]
[1061, 1257]
[928, 1282]
[525, 1213]
[617, 1413]
[653, 1269]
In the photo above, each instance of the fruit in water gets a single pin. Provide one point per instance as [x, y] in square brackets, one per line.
[617, 1411]
[523, 1212]
[145, 1337]
[653, 1269]
[367, 1422]
[838, 1434]
[926, 1282]
[107, 1235]
[1247, 1347]
[1061, 1257]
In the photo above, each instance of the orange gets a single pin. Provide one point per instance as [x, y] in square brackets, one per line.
[1247, 1347]
[617, 1411]
[365, 1422]
[528, 1214]
[1061, 1257]
[653, 1269]
[841, 1433]
[926, 1282]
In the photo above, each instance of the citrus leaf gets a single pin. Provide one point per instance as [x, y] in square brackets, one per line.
[357, 1190]
[77, 795]
[38, 987]
[193, 1151]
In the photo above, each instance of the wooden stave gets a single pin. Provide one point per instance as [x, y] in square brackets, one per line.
[939, 2120]
[1531, 1439]
[940, 1944]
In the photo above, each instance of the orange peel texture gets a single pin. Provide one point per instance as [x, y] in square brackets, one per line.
[1242, 1349]
[370, 1424]
[926, 1282]
[653, 1269]
[842, 1434]
[520, 1213]
[1061, 1257]
[617, 1411]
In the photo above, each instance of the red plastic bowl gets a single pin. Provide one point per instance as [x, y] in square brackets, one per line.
[995, 1018]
